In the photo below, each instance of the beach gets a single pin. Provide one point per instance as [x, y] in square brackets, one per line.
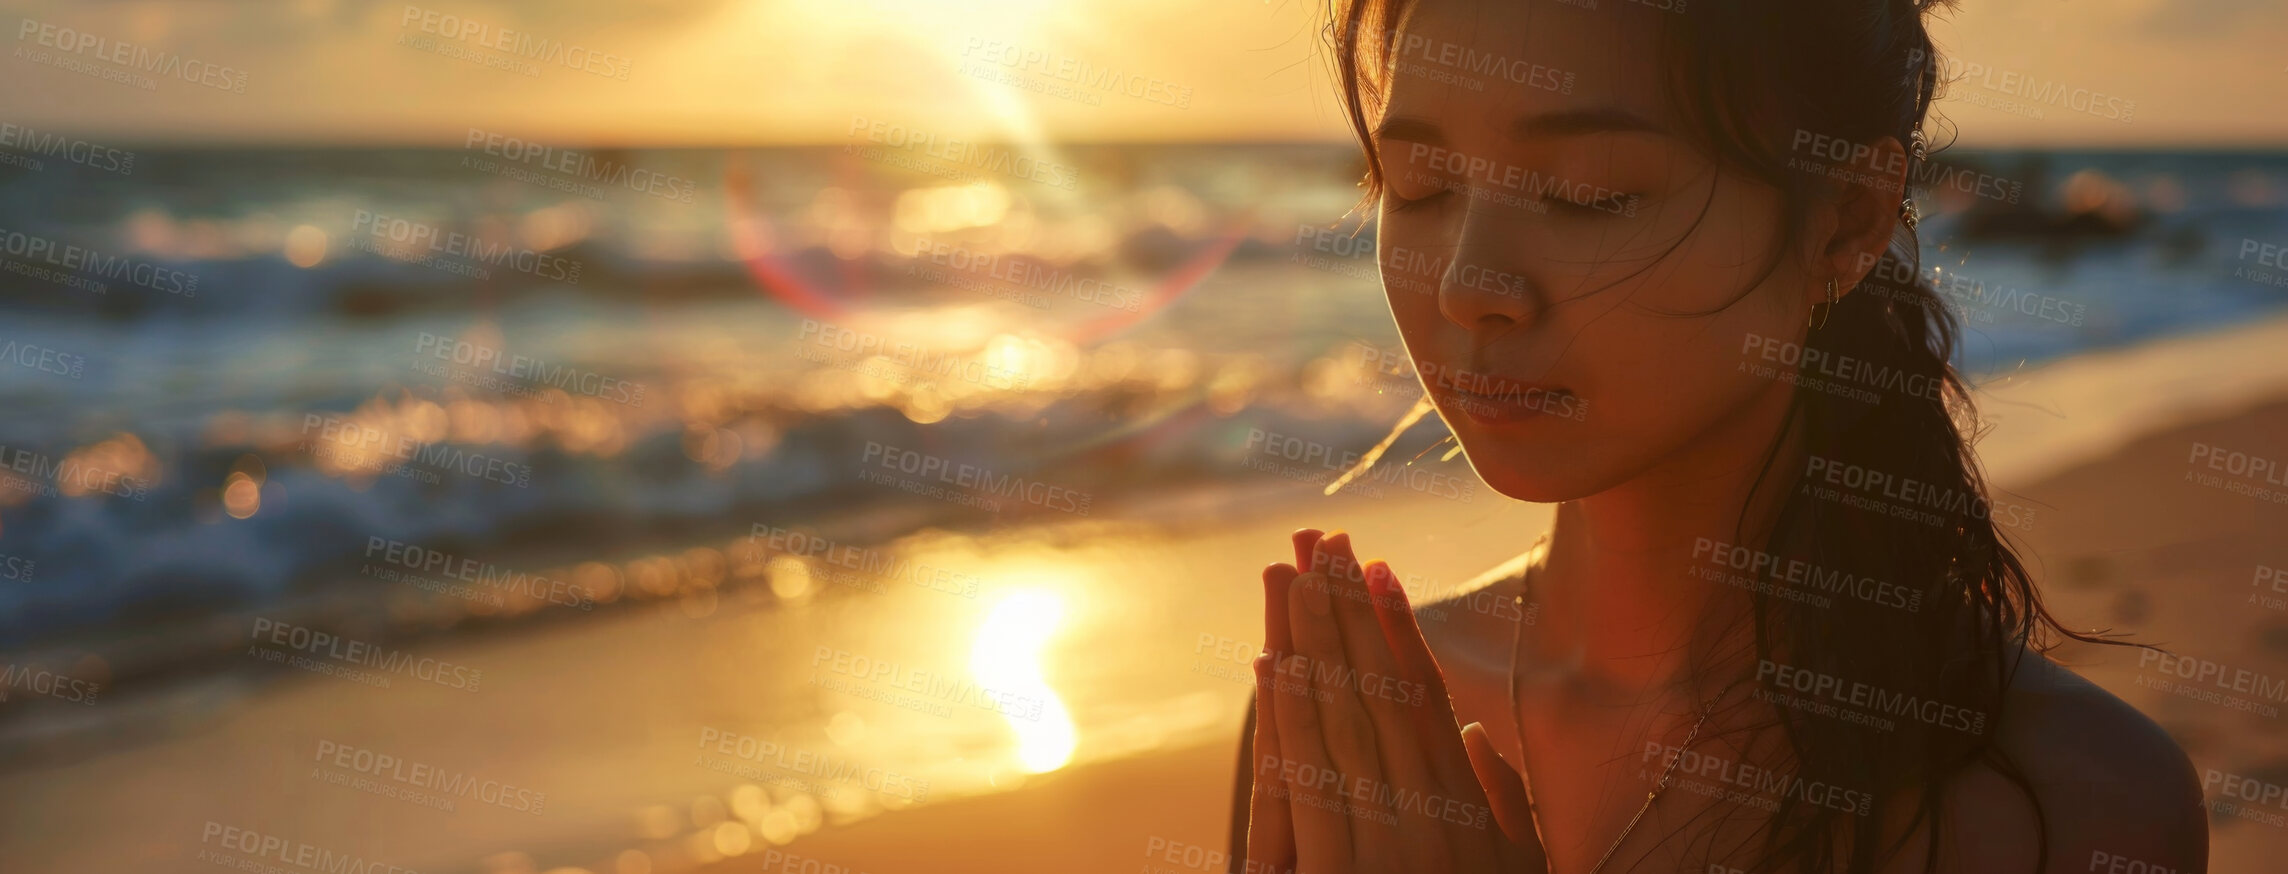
[780, 438]
[734, 734]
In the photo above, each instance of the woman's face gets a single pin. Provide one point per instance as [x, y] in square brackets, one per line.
[1574, 281]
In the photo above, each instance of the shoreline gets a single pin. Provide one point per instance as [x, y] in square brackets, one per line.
[2079, 409]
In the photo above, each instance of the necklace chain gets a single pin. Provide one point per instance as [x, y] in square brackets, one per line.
[1517, 641]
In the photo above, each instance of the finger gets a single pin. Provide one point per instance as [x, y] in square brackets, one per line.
[1276, 638]
[1394, 617]
[1270, 804]
[1394, 702]
[1394, 614]
[1270, 824]
[1505, 789]
[1420, 834]
[1305, 539]
[1346, 728]
[1356, 619]
[1331, 555]
[1323, 731]
[1418, 741]
[1273, 842]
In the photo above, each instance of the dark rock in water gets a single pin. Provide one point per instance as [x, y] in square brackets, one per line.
[2037, 224]
[2092, 206]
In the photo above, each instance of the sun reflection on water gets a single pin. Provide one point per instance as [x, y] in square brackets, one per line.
[1007, 660]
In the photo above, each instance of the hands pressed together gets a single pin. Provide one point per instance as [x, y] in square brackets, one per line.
[1358, 765]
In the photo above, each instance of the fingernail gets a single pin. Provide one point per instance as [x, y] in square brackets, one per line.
[1384, 584]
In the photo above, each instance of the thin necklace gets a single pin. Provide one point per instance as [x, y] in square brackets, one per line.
[1517, 654]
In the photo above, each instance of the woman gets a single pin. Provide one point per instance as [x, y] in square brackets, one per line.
[1654, 263]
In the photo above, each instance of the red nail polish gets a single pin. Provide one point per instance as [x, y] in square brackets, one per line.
[1390, 587]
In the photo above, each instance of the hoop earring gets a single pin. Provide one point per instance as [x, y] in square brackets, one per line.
[1821, 312]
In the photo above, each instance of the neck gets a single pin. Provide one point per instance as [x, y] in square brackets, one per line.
[1617, 591]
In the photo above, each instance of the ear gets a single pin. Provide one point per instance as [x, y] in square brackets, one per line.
[1853, 229]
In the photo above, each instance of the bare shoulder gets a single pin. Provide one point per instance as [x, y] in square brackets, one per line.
[2118, 783]
[2114, 788]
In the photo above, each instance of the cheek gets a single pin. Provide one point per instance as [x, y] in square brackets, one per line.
[1664, 379]
[1417, 316]
[1408, 264]
[1674, 352]
[1725, 290]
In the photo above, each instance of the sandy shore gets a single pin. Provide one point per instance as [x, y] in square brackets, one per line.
[2125, 535]
[610, 718]
[2131, 529]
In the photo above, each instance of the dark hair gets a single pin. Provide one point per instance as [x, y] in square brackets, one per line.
[1747, 76]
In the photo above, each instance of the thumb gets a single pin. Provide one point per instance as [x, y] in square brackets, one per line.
[1505, 789]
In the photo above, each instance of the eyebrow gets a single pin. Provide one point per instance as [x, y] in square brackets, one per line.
[1567, 123]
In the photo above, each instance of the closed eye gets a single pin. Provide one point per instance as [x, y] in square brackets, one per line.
[1401, 203]
[1615, 204]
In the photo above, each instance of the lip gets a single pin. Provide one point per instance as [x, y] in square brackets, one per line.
[1516, 402]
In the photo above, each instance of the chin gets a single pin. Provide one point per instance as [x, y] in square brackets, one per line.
[1549, 480]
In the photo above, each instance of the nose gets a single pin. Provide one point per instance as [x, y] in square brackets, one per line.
[1480, 289]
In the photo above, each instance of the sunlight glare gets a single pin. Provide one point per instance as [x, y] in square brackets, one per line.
[1007, 661]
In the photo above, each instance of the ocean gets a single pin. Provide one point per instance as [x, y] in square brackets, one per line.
[502, 381]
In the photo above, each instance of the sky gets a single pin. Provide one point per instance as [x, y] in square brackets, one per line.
[768, 72]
